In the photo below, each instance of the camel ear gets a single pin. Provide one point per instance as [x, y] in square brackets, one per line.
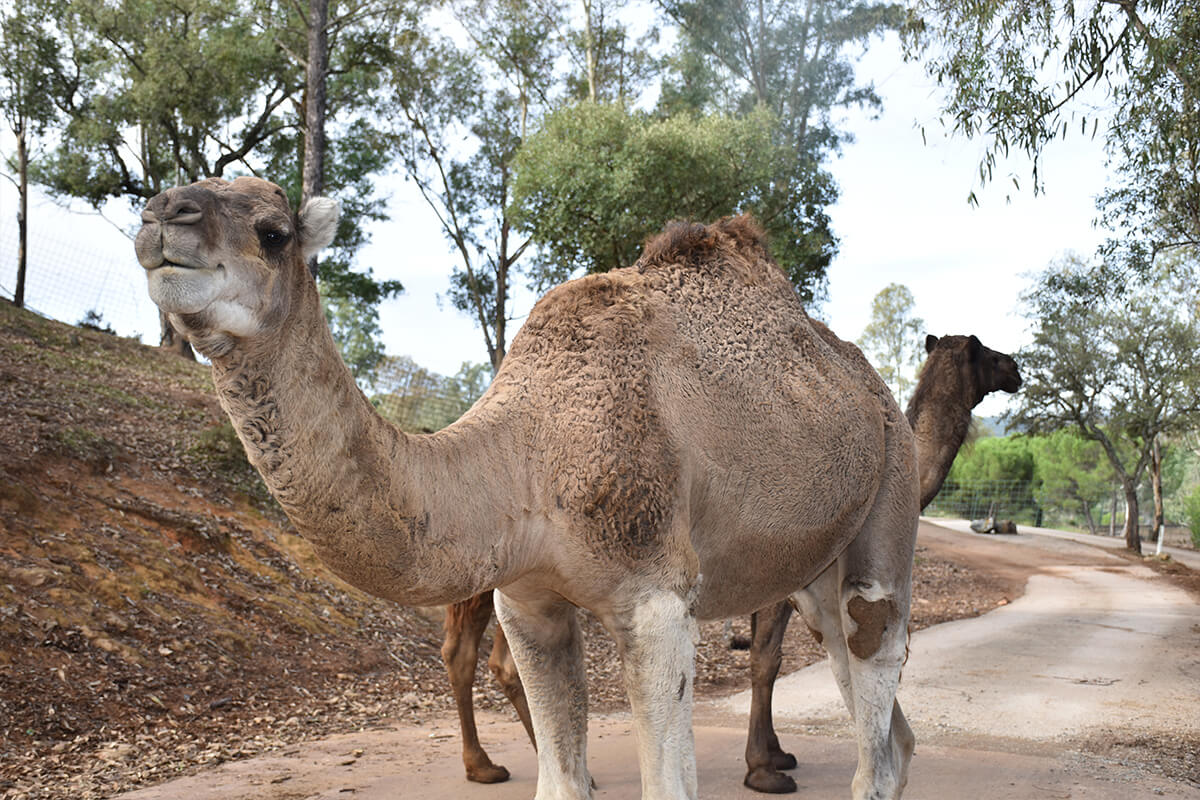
[974, 346]
[930, 342]
[318, 224]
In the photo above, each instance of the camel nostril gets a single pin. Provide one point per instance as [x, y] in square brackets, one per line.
[183, 212]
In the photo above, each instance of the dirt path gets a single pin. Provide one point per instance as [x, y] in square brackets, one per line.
[1087, 686]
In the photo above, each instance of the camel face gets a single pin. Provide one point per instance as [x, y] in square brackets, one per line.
[986, 369]
[221, 258]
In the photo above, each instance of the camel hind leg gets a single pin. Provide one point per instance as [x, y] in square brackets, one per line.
[465, 624]
[874, 591]
[764, 756]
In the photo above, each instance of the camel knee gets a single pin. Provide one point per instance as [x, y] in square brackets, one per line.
[504, 670]
[765, 661]
[875, 618]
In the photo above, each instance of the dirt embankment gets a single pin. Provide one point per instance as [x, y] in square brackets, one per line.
[158, 614]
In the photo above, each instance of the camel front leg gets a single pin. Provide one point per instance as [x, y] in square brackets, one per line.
[657, 640]
[547, 646]
[465, 624]
[764, 757]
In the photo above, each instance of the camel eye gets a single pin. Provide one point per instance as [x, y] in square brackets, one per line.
[273, 239]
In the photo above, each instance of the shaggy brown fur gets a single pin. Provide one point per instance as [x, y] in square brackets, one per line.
[662, 443]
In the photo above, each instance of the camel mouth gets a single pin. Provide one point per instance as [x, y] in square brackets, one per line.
[188, 267]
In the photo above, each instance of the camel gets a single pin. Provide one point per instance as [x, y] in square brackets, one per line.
[670, 442]
[958, 373]
[955, 378]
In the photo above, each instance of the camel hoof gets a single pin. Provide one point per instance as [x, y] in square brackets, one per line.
[769, 781]
[782, 760]
[488, 774]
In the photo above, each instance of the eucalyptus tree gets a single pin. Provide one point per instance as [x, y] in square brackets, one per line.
[465, 111]
[179, 91]
[893, 338]
[796, 58]
[1113, 357]
[1022, 74]
[38, 75]
[597, 179]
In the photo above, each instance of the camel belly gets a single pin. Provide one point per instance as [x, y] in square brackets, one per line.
[754, 568]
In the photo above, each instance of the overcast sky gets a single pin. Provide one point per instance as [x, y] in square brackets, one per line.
[902, 217]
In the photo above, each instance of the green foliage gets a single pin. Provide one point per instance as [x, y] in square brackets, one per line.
[1071, 473]
[466, 111]
[1006, 458]
[31, 53]
[1112, 356]
[1192, 510]
[201, 82]
[583, 181]
[893, 339]
[1026, 73]
[796, 59]
[991, 474]
[163, 93]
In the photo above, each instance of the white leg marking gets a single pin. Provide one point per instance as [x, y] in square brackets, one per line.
[658, 643]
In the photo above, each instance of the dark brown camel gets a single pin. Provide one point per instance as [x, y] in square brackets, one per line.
[957, 375]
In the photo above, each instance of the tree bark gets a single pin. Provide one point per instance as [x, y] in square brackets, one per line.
[589, 43]
[1087, 515]
[313, 179]
[1156, 482]
[22, 223]
[1133, 540]
[1112, 515]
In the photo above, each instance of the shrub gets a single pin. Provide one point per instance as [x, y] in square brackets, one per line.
[1191, 510]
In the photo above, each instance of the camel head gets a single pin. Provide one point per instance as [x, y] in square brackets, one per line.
[982, 369]
[226, 260]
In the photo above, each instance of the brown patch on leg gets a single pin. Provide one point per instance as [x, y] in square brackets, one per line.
[872, 618]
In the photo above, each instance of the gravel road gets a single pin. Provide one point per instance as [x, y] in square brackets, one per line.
[1086, 687]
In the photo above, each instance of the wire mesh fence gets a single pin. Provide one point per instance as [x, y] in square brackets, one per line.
[76, 263]
[1007, 499]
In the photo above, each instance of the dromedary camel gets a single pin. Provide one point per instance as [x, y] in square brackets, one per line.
[664, 443]
[955, 378]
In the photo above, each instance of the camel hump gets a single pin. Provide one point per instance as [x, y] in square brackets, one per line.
[699, 246]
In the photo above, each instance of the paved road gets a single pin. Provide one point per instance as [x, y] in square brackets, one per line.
[1010, 706]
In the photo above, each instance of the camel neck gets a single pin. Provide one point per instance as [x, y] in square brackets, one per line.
[377, 505]
[940, 417]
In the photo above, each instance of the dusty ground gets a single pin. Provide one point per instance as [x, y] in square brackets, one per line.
[1086, 687]
[158, 615]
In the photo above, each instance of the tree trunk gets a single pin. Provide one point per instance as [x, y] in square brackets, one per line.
[313, 180]
[1133, 540]
[315, 101]
[1156, 482]
[22, 223]
[1112, 515]
[1087, 515]
[589, 43]
[172, 340]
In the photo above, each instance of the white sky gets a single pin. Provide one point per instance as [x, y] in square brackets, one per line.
[902, 217]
